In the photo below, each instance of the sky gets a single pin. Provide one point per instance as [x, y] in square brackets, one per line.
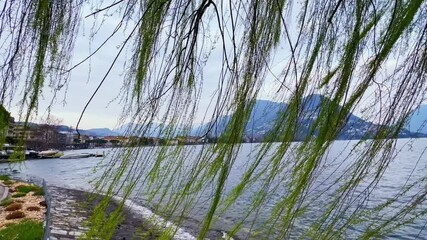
[104, 110]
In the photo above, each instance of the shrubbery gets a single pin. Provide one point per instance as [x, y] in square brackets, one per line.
[15, 215]
[13, 207]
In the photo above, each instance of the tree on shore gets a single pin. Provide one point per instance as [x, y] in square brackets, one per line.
[364, 54]
[4, 125]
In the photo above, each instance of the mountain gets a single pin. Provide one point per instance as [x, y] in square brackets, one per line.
[355, 128]
[260, 122]
[153, 131]
[95, 132]
[417, 122]
[102, 132]
[263, 116]
[264, 113]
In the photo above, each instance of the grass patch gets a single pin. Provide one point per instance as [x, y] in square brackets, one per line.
[6, 202]
[25, 188]
[19, 194]
[4, 177]
[27, 229]
[38, 191]
[8, 182]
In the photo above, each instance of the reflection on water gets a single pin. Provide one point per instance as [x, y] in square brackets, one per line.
[409, 163]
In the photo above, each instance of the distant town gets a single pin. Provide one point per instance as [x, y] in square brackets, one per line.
[48, 136]
[43, 136]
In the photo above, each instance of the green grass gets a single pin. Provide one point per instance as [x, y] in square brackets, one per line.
[6, 202]
[4, 177]
[38, 191]
[19, 194]
[27, 229]
[26, 188]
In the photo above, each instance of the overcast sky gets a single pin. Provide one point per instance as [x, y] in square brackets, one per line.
[105, 108]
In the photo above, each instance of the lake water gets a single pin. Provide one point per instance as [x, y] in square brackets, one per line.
[409, 163]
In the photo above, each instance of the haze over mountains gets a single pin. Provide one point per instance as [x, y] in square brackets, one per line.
[265, 112]
[417, 122]
[96, 132]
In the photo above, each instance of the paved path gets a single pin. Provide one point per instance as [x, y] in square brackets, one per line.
[67, 218]
[4, 192]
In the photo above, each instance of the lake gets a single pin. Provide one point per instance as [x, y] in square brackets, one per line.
[409, 163]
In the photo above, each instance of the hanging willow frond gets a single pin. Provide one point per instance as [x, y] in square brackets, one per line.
[336, 48]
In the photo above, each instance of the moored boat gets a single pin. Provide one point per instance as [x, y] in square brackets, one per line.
[51, 153]
[8, 151]
[77, 155]
[31, 154]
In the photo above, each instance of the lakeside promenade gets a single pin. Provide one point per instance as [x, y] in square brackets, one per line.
[68, 217]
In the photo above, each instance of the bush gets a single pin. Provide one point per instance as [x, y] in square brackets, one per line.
[19, 194]
[6, 202]
[15, 215]
[4, 177]
[26, 229]
[13, 207]
[33, 208]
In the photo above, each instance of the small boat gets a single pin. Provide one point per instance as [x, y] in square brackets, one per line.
[31, 154]
[51, 153]
[4, 155]
[9, 150]
[77, 155]
[98, 154]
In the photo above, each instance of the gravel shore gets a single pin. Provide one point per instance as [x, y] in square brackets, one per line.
[68, 216]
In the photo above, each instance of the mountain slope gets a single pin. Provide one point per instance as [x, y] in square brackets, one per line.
[264, 114]
[95, 132]
[153, 131]
[102, 132]
[261, 120]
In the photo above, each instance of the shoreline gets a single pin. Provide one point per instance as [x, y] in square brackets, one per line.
[67, 217]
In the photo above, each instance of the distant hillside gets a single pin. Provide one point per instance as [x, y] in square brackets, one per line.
[417, 123]
[95, 132]
[154, 130]
[264, 113]
[102, 132]
[260, 122]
